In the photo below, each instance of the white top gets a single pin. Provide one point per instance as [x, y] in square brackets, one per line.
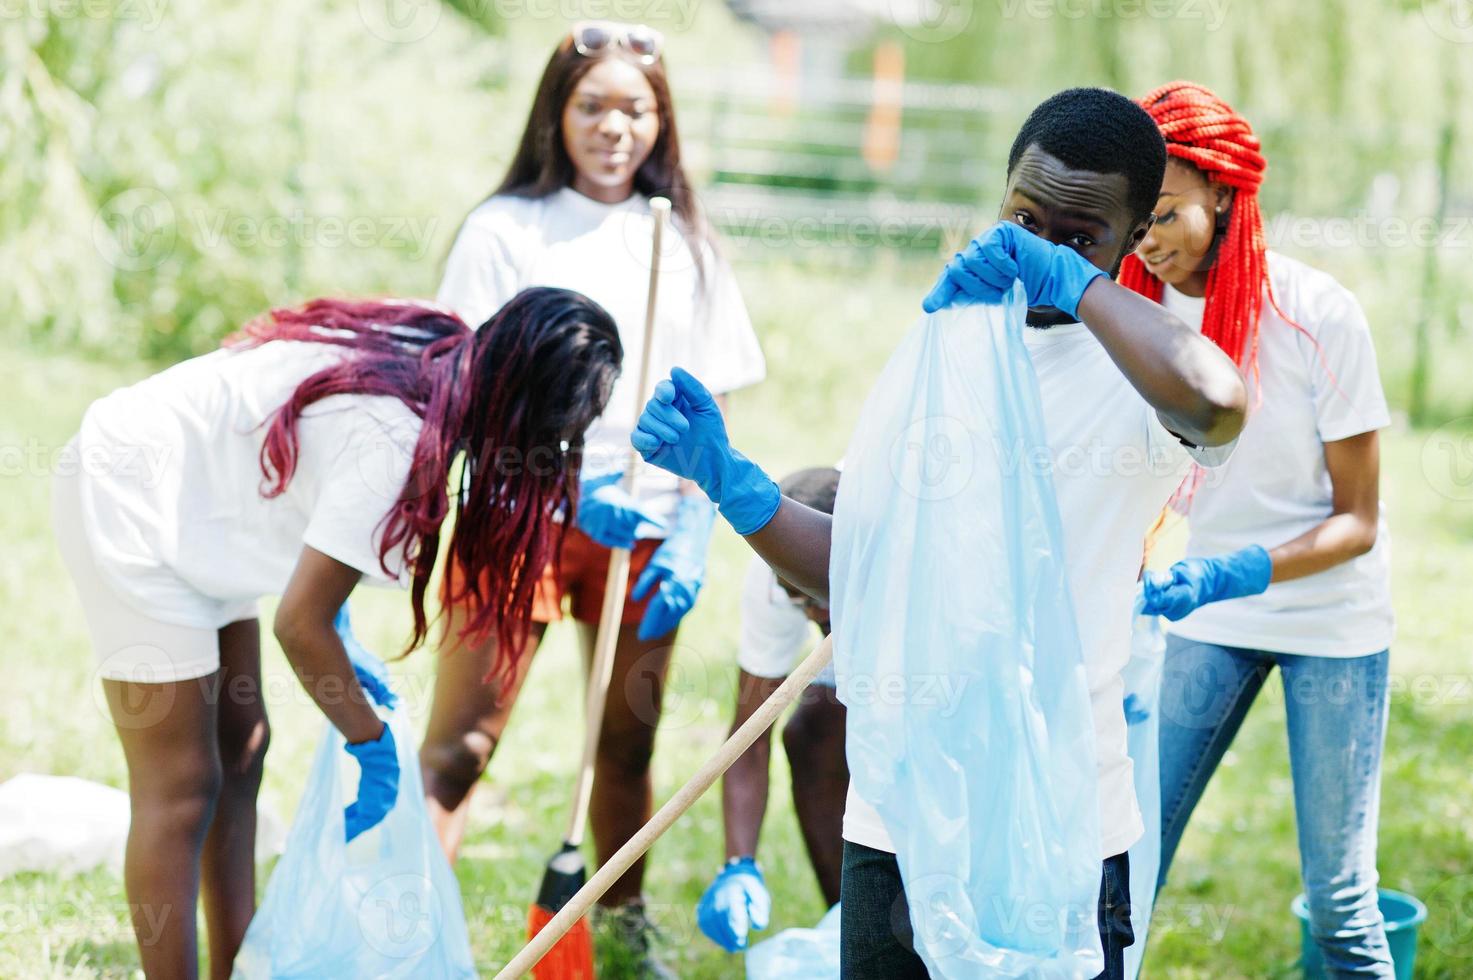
[1114, 467]
[1277, 487]
[508, 244]
[171, 481]
[775, 632]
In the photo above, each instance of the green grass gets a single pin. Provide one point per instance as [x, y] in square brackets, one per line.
[826, 336]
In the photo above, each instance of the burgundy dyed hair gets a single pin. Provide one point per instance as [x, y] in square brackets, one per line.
[515, 396]
[542, 165]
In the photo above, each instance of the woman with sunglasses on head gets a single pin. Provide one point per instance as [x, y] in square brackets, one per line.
[1288, 553]
[311, 453]
[573, 210]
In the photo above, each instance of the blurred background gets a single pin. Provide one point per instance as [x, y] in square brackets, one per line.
[170, 168]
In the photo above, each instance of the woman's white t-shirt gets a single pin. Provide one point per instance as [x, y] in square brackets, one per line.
[1316, 386]
[508, 244]
[171, 482]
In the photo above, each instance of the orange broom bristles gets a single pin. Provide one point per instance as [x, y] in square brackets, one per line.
[571, 958]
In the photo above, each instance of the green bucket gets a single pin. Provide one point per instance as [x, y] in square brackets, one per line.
[1403, 914]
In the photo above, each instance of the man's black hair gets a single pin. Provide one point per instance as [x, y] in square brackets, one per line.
[814, 488]
[1101, 131]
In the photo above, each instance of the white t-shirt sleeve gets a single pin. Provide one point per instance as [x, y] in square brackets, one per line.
[727, 353]
[1345, 383]
[359, 487]
[773, 631]
[480, 274]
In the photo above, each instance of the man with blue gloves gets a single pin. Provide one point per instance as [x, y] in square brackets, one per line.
[776, 630]
[1129, 396]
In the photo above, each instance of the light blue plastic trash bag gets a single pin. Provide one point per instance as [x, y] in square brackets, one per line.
[958, 656]
[1142, 698]
[386, 905]
[798, 954]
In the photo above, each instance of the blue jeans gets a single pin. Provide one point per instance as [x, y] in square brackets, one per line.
[1337, 725]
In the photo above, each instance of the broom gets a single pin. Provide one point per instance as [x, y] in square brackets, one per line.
[573, 908]
[572, 956]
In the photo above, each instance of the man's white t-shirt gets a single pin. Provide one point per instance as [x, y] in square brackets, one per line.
[508, 244]
[1315, 386]
[774, 630]
[171, 482]
[1114, 468]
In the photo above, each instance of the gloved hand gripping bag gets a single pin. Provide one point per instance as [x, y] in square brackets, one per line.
[958, 656]
[386, 905]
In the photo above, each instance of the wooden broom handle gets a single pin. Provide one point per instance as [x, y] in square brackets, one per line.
[616, 585]
[710, 771]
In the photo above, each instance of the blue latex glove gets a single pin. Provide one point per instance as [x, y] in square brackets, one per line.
[735, 903]
[610, 516]
[373, 675]
[1195, 582]
[984, 272]
[378, 783]
[681, 430]
[677, 567]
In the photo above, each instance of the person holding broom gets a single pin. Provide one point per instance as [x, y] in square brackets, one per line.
[1288, 561]
[1119, 379]
[309, 454]
[777, 621]
[573, 210]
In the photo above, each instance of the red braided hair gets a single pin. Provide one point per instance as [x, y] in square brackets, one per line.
[1204, 131]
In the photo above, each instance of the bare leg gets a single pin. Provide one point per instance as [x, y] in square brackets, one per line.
[168, 733]
[229, 866]
[622, 790]
[466, 722]
[814, 741]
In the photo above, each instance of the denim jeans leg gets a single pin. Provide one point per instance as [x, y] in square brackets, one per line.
[1336, 710]
[875, 940]
[1116, 932]
[1206, 691]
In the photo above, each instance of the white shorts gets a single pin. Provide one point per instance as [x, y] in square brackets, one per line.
[775, 634]
[128, 644]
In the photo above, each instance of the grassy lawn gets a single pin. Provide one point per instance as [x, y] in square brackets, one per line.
[1225, 914]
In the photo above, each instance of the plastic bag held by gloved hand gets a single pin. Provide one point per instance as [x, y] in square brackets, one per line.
[385, 905]
[1142, 700]
[969, 726]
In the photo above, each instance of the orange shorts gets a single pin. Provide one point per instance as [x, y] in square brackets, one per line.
[585, 571]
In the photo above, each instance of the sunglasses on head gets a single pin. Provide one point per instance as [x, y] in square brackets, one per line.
[592, 37]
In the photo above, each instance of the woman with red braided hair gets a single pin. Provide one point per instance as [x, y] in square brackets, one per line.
[1287, 554]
